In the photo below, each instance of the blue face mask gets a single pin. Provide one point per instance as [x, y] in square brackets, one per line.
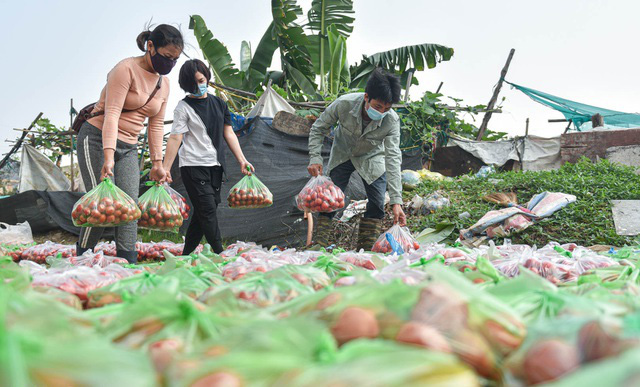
[374, 114]
[202, 88]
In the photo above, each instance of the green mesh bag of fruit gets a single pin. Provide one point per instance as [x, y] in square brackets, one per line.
[250, 192]
[105, 206]
[158, 210]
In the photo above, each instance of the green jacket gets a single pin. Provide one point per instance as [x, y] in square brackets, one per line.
[373, 152]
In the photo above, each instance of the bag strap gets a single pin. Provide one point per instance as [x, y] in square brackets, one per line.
[153, 94]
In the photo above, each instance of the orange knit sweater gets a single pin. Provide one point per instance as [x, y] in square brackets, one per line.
[129, 86]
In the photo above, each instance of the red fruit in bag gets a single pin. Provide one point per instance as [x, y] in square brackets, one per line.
[423, 335]
[320, 195]
[548, 360]
[249, 192]
[97, 208]
[354, 323]
[158, 210]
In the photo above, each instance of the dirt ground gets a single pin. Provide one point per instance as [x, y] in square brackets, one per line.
[58, 236]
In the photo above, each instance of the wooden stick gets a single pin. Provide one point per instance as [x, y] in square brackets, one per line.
[494, 97]
[439, 87]
[71, 110]
[309, 217]
[568, 127]
[526, 129]
[19, 142]
[321, 105]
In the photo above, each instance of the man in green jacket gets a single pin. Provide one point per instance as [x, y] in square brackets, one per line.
[367, 140]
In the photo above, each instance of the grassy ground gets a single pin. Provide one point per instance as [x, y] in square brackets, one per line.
[587, 222]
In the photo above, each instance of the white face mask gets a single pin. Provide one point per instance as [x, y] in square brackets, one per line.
[374, 114]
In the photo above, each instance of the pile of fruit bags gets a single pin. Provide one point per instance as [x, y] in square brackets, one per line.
[446, 315]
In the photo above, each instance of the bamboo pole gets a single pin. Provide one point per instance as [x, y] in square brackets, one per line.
[19, 142]
[71, 110]
[494, 97]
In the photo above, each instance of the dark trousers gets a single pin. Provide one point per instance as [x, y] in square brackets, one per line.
[340, 176]
[203, 186]
[126, 176]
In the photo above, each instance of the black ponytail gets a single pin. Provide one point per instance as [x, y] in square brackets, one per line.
[161, 36]
[142, 38]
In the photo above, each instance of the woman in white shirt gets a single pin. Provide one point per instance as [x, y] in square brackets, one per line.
[201, 121]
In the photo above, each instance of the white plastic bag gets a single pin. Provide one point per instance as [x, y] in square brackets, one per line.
[16, 235]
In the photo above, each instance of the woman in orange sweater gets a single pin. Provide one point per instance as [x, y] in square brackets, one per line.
[107, 143]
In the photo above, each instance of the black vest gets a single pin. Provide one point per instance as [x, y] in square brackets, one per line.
[211, 111]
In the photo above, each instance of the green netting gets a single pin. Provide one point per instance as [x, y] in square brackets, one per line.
[580, 114]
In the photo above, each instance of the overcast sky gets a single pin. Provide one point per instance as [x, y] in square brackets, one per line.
[585, 50]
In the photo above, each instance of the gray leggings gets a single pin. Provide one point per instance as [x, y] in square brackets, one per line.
[126, 175]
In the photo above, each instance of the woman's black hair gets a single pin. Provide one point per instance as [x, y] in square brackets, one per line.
[187, 77]
[383, 86]
[161, 36]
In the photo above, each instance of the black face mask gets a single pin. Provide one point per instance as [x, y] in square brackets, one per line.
[162, 64]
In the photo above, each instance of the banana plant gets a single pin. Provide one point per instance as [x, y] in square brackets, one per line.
[322, 15]
[292, 44]
[320, 54]
[400, 61]
[253, 68]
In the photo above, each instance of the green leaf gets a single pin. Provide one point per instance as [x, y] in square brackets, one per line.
[262, 58]
[338, 49]
[300, 80]
[216, 53]
[293, 43]
[322, 15]
[325, 13]
[435, 235]
[400, 60]
[245, 55]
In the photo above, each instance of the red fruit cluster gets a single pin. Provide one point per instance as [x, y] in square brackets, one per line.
[325, 197]
[103, 212]
[181, 202]
[401, 235]
[160, 217]
[250, 198]
[39, 253]
[384, 246]
[95, 259]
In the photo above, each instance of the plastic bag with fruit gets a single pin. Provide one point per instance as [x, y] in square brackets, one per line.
[12, 275]
[320, 195]
[79, 280]
[39, 253]
[557, 347]
[249, 192]
[128, 288]
[104, 206]
[159, 211]
[180, 200]
[13, 251]
[479, 328]
[89, 259]
[165, 325]
[401, 236]
[365, 363]
[260, 352]
[49, 358]
[259, 289]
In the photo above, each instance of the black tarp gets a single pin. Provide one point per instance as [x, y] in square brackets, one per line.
[280, 161]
